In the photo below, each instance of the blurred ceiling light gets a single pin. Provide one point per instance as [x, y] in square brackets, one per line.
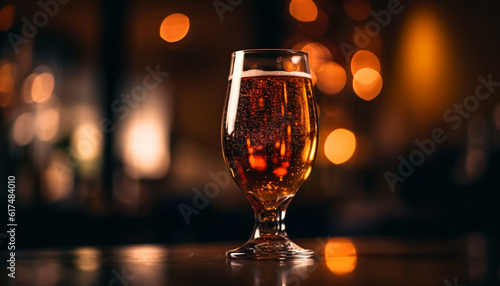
[340, 146]
[340, 255]
[496, 115]
[475, 163]
[47, 123]
[7, 17]
[357, 9]
[331, 78]
[174, 27]
[317, 27]
[87, 258]
[145, 153]
[317, 55]
[7, 76]
[367, 83]
[24, 129]
[86, 141]
[364, 59]
[303, 10]
[42, 87]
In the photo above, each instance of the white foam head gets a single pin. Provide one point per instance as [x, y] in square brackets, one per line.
[255, 73]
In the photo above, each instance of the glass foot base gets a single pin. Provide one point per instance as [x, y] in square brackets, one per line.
[277, 250]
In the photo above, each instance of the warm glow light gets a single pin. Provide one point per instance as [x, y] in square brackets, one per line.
[427, 77]
[331, 78]
[42, 87]
[58, 183]
[317, 27]
[7, 71]
[7, 78]
[23, 129]
[357, 9]
[340, 255]
[87, 258]
[496, 116]
[314, 77]
[27, 86]
[303, 10]
[475, 163]
[364, 59]
[86, 141]
[367, 83]
[257, 162]
[317, 54]
[174, 27]
[145, 150]
[6, 17]
[47, 123]
[340, 146]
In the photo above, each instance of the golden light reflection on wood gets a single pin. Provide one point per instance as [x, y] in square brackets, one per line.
[340, 255]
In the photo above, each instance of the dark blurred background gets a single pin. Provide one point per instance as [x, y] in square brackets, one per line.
[110, 117]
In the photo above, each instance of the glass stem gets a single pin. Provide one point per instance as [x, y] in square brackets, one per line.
[270, 224]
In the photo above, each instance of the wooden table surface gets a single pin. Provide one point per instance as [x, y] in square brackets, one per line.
[468, 260]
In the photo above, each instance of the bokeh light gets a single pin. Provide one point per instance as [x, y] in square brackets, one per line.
[86, 141]
[7, 79]
[357, 9]
[340, 255]
[7, 75]
[367, 83]
[317, 27]
[364, 59]
[23, 130]
[340, 146]
[331, 78]
[475, 163]
[174, 27]
[318, 54]
[7, 17]
[47, 123]
[58, 180]
[145, 153]
[303, 10]
[27, 87]
[42, 87]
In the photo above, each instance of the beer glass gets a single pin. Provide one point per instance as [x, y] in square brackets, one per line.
[269, 141]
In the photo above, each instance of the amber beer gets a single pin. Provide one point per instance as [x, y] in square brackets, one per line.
[269, 134]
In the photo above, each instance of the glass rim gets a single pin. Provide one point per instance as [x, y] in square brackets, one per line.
[268, 51]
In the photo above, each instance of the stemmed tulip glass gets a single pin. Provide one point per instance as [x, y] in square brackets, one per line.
[269, 138]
